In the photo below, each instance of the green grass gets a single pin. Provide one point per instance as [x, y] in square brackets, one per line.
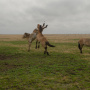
[64, 69]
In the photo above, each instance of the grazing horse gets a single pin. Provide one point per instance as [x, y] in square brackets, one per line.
[42, 39]
[82, 42]
[31, 37]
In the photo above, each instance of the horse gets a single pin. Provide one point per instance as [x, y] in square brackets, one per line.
[82, 42]
[31, 37]
[44, 42]
[43, 27]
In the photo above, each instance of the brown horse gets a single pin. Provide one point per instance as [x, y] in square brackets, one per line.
[82, 42]
[42, 39]
[43, 27]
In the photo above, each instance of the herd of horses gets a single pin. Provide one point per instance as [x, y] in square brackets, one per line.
[40, 39]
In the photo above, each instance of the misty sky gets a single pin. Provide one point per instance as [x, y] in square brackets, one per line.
[62, 16]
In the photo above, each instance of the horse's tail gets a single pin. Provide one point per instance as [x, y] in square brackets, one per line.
[47, 43]
[79, 45]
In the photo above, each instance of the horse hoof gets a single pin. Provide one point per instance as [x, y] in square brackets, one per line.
[48, 54]
[28, 50]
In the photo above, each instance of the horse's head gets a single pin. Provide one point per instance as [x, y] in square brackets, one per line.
[40, 28]
[26, 35]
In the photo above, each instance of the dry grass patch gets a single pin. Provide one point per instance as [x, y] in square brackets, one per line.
[6, 37]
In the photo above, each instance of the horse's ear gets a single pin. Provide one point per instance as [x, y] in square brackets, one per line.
[43, 24]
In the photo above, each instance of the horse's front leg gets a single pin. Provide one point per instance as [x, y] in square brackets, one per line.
[81, 49]
[46, 51]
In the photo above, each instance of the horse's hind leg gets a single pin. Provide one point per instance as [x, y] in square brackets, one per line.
[29, 46]
[38, 44]
[46, 51]
[81, 49]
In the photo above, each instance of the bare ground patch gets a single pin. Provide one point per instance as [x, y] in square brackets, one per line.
[5, 65]
[6, 57]
[8, 66]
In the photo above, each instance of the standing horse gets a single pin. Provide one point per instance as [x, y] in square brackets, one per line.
[82, 42]
[31, 37]
[42, 39]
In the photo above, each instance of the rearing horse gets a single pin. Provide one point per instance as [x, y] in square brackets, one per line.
[42, 39]
[37, 42]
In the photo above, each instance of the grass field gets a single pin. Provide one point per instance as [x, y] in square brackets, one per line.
[64, 69]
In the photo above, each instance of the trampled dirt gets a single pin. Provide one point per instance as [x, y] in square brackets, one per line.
[4, 57]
